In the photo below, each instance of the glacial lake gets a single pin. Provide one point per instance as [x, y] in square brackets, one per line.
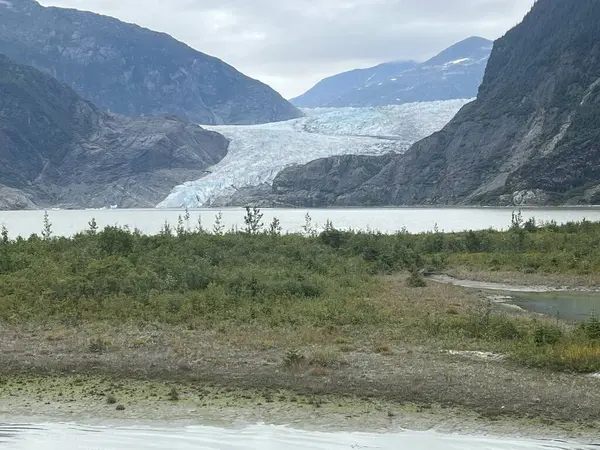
[385, 220]
[258, 437]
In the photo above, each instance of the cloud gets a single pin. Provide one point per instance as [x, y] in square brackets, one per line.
[293, 44]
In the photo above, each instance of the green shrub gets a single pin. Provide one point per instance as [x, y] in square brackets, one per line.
[591, 328]
[544, 334]
[416, 280]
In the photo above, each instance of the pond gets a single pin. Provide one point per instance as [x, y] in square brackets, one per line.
[573, 306]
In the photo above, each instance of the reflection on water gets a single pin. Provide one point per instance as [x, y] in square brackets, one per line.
[9, 432]
[568, 306]
[386, 220]
[72, 437]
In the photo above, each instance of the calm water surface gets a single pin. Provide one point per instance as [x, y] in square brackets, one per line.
[576, 306]
[72, 437]
[150, 221]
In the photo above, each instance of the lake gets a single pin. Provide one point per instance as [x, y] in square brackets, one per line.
[263, 437]
[386, 220]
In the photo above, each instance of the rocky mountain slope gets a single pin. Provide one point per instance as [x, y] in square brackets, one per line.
[129, 70]
[454, 73]
[531, 137]
[57, 149]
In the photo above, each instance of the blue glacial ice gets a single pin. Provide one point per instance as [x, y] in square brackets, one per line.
[257, 153]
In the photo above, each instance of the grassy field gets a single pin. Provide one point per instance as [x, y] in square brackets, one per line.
[349, 289]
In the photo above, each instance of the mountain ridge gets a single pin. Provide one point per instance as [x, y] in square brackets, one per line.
[131, 70]
[454, 73]
[57, 149]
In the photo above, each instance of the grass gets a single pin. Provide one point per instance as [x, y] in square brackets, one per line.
[342, 291]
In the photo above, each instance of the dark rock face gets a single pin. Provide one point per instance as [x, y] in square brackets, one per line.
[133, 71]
[455, 73]
[320, 183]
[57, 149]
[531, 137]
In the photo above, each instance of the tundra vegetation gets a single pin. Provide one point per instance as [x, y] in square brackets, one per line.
[353, 282]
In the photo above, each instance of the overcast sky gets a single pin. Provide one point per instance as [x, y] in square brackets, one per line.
[292, 44]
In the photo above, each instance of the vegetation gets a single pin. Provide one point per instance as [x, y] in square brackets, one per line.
[332, 280]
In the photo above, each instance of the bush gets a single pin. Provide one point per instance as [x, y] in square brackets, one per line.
[416, 280]
[591, 328]
[483, 326]
[544, 334]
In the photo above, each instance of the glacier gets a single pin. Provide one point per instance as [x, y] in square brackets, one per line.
[257, 153]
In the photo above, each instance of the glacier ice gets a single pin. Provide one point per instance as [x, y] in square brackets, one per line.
[257, 153]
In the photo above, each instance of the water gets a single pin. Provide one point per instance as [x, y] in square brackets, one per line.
[73, 437]
[150, 221]
[568, 306]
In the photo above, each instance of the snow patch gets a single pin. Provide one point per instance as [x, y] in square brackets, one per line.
[257, 153]
[458, 61]
[7, 4]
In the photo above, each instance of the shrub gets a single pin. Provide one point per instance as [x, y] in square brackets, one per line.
[173, 395]
[483, 326]
[294, 359]
[544, 334]
[591, 328]
[325, 357]
[415, 280]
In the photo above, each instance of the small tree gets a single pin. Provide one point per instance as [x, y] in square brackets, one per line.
[415, 280]
[308, 227]
[275, 227]
[253, 220]
[516, 221]
[199, 227]
[92, 226]
[47, 230]
[180, 230]
[187, 217]
[4, 235]
[517, 226]
[166, 229]
[218, 227]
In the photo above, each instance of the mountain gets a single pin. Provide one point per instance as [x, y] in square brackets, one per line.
[57, 149]
[130, 70]
[455, 73]
[531, 137]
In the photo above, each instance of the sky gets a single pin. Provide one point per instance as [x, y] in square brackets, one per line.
[292, 44]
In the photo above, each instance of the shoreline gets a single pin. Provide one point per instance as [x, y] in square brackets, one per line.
[507, 287]
[72, 400]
